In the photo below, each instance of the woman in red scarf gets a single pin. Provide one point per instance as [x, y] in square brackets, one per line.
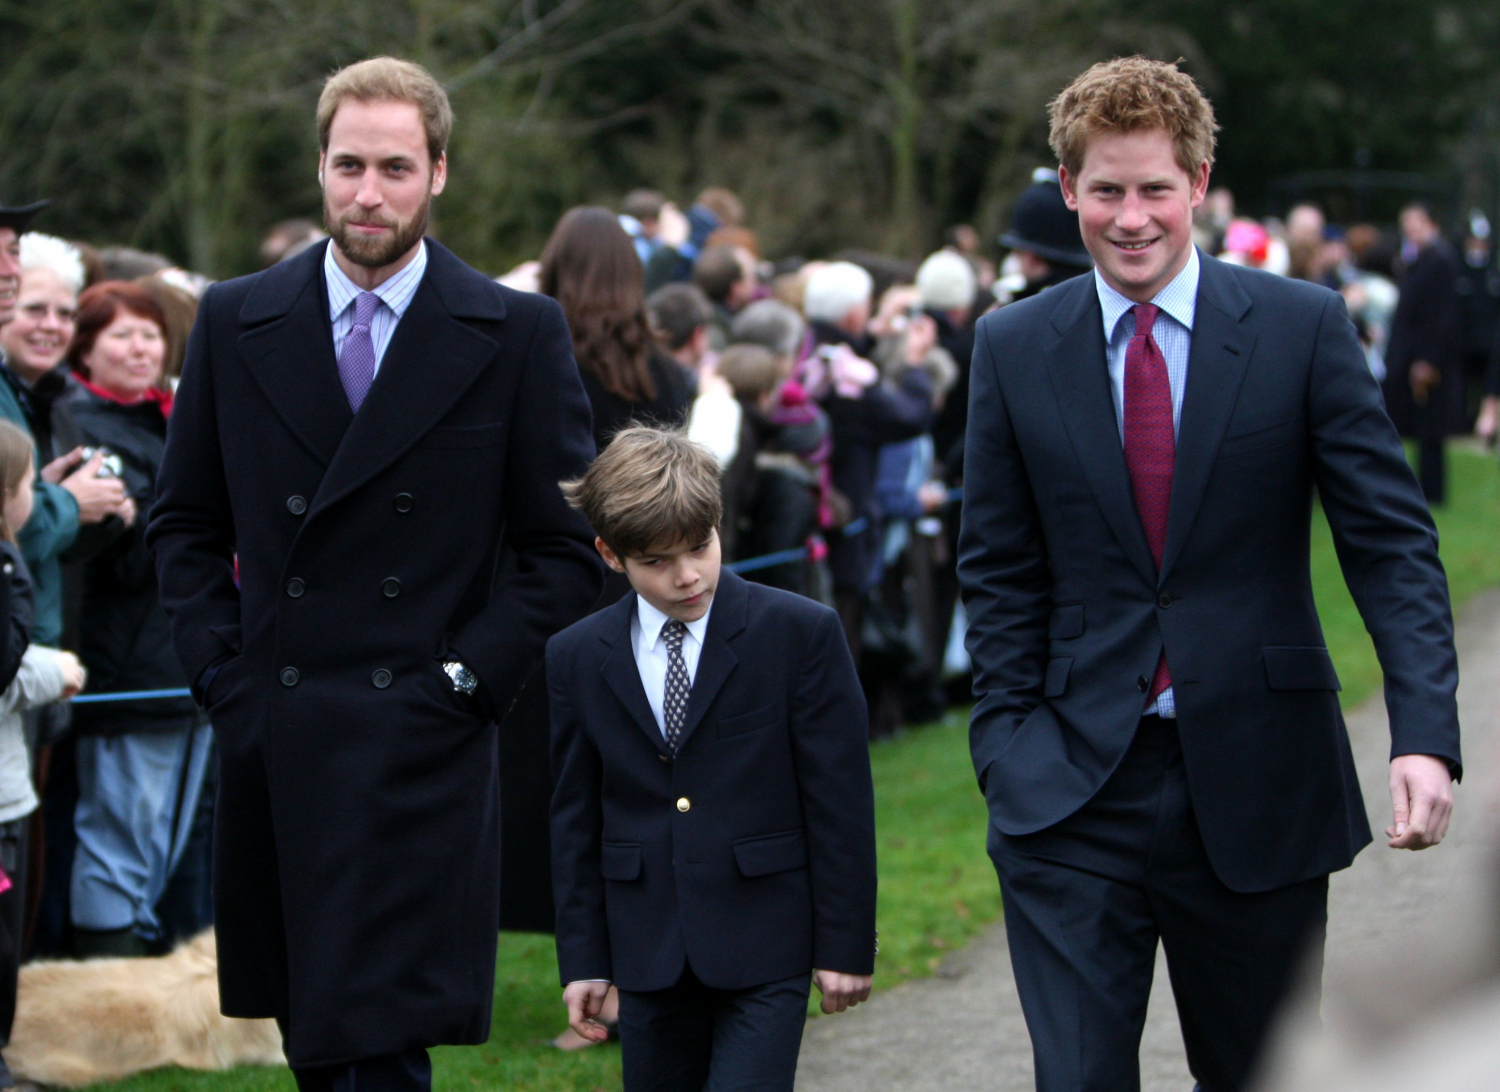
[140, 763]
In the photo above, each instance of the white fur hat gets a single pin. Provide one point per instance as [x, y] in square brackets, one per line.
[946, 282]
[834, 290]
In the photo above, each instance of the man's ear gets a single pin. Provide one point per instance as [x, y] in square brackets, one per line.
[439, 174]
[1200, 184]
[1069, 190]
[611, 558]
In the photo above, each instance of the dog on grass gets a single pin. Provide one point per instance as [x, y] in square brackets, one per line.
[103, 1019]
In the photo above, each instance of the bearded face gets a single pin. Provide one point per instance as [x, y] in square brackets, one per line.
[375, 249]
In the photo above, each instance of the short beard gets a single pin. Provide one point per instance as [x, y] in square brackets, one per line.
[378, 251]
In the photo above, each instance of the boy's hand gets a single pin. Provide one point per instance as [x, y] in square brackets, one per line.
[585, 1000]
[840, 991]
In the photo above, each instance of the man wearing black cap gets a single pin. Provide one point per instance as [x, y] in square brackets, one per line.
[13, 221]
[1044, 236]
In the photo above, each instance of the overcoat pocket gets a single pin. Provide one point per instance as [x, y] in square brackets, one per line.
[459, 437]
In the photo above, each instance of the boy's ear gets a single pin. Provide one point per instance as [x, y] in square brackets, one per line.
[611, 558]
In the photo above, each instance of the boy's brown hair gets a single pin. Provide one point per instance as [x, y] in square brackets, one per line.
[750, 370]
[388, 79]
[16, 447]
[1127, 95]
[650, 489]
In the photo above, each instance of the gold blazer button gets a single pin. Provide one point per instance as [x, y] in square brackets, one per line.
[684, 803]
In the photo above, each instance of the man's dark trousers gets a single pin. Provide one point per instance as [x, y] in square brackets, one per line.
[690, 1037]
[1086, 901]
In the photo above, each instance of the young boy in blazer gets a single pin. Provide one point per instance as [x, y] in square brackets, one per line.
[713, 829]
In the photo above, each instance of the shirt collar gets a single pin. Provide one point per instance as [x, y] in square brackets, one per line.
[652, 621]
[1178, 299]
[395, 292]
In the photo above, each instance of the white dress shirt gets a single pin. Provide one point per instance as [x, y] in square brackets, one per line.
[1173, 334]
[395, 297]
[651, 653]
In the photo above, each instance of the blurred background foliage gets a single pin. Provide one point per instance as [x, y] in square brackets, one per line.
[186, 126]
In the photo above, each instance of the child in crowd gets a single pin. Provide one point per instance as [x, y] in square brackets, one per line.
[713, 831]
[31, 676]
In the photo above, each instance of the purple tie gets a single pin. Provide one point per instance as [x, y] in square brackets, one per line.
[1150, 445]
[357, 361]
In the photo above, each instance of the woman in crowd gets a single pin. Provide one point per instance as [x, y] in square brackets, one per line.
[140, 763]
[590, 267]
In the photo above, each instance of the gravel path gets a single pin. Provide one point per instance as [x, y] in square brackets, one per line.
[962, 1029]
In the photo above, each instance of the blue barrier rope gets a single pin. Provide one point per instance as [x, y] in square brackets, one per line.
[749, 565]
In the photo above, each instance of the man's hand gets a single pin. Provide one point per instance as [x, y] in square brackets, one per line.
[1488, 425]
[60, 467]
[585, 1000]
[74, 676]
[1424, 377]
[672, 227]
[98, 498]
[840, 991]
[1421, 800]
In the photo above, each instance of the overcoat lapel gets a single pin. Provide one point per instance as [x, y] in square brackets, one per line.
[1079, 371]
[718, 660]
[623, 676]
[1221, 349]
[288, 349]
[413, 389]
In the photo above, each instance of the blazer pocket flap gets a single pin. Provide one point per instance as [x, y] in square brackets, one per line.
[1056, 682]
[1300, 669]
[749, 722]
[771, 853]
[1066, 622]
[1256, 439]
[620, 862]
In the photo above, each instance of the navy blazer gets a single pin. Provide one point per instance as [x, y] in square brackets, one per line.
[1068, 613]
[751, 855]
[324, 563]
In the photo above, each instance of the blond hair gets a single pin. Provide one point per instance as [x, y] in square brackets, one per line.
[1127, 95]
[649, 489]
[389, 79]
[16, 448]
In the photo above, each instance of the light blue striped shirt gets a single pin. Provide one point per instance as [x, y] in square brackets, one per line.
[395, 297]
[1174, 337]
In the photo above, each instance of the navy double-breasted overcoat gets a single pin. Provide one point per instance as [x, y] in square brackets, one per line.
[357, 840]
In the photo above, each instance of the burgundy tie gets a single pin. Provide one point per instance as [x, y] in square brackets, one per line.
[1150, 446]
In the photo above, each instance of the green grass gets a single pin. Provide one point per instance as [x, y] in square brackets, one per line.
[937, 889]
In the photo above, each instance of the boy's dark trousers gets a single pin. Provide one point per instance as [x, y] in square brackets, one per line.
[690, 1037]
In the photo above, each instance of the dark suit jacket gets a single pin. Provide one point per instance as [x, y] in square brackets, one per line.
[1428, 325]
[751, 856]
[357, 841]
[1068, 613]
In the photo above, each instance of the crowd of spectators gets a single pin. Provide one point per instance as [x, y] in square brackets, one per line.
[832, 392]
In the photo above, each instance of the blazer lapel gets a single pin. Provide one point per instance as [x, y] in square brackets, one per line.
[432, 359]
[623, 676]
[288, 349]
[717, 660]
[1221, 349]
[1079, 371]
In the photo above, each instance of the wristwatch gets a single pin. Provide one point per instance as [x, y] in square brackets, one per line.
[464, 680]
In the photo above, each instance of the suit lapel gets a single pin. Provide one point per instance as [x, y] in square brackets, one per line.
[1221, 350]
[432, 359]
[623, 676]
[717, 660]
[1079, 372]
[288, 350]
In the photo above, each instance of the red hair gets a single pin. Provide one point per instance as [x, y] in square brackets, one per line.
[99, 306]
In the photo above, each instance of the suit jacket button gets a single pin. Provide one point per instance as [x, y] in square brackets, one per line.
[1164, 600]
[390, 587]
[1142, 683]
[683, 804]
[403, 502]
[381, 678]
[290, 676]
[296, 505]
[295, 587]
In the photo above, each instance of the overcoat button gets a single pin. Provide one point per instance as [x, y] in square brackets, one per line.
[1142, 683]
[381, 678]
[683, 804]
[295, 587]
[290, 676]
[390, 587]
[1164, 600]
[403, 502]
[296, 505]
